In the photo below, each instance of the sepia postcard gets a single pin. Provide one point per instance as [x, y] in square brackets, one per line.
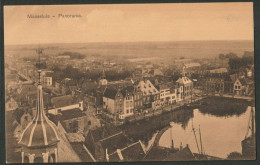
[129, 82]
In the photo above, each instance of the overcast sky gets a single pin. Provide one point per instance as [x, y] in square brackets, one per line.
[129, 23]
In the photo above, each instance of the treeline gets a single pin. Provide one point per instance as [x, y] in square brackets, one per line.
[78, 75]
[236, 62]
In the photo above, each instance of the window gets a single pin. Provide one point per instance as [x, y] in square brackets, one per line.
[235, 87]
[89, 122]
[80, 105]
[26, 118]
[127, 111]
[238, 87]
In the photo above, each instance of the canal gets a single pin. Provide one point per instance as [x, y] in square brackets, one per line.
[220, 135]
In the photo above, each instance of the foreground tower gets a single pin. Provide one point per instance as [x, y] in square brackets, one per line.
[39, 140]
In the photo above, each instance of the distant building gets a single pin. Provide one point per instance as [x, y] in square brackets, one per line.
[72, 120]
[151, 96]
[138, 99]
[61, 101]
[59, 108]
[215, 84]
[241, 87]
[219, 71]
[119, 102]
[167, 94]
[187, 85]
[113, 101]
[103, 81]
[128, 109]
[156, 72]
[47, 79]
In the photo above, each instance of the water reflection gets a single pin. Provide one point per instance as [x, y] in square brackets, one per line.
[220, 135]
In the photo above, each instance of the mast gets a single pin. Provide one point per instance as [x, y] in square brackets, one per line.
[201, 148]
[172, 144]
[195, 137]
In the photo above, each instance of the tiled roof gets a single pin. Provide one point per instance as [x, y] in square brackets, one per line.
[104, 132]
[110, 93]
[114, 142]
[48, 74]
[81, 152]
[243, 81]
[184, 80]
[71, 114]
[61, 101]
[75, 137]
[129, 89]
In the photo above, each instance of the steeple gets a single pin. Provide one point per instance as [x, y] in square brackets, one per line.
[183, 72]
[103, 74]
[40, 133]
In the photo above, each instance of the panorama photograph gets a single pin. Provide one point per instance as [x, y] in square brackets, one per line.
[129, 82]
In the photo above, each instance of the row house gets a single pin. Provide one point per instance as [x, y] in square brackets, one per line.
[167, 94]
[187, 86]
[113, 101]
[151, 96]
[123, 102]
[243, 87]
[218, 83]
[138, 99]
[215, 84]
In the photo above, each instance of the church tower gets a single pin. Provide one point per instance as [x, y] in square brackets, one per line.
[39, 140]
[183, 72]
[103, 80]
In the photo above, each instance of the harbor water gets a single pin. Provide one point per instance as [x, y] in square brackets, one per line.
[219, 135]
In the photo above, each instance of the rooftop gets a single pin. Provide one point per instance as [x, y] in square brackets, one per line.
[71, 114]
[61, 101]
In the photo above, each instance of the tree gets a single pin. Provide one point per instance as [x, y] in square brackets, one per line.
[221, 56]
[231, 55]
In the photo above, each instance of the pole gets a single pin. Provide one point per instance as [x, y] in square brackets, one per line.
[195, 138]
[200, 142]
[172, 146]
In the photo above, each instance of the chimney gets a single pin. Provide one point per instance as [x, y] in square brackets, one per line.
[181, 146]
